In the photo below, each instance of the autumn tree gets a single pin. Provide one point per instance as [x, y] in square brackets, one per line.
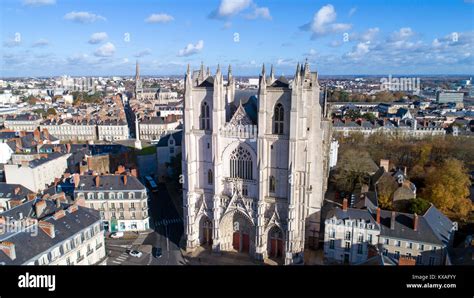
[386, 186]
[447, 187]
[354, 169]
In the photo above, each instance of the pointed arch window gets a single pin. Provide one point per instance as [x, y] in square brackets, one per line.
[272, 184]
[278, 118]
[205, 123]
[210, 177]
[241, 165]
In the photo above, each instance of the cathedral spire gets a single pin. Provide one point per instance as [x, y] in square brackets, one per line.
[188, 69]
[218, 68]
[137, 71]
[306, 68]
[298, 72]
[208, 72]
[272, 75]
[263, 70]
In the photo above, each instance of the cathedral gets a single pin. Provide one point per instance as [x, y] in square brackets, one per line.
[255, 163]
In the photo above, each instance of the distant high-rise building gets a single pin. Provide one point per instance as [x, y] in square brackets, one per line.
[255, 164]
[449, 96]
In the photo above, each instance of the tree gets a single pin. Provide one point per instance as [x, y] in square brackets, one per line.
[51, 111]
[418, 206]
[369, 117]
[353, 169]
[447, 187]
[386, 186]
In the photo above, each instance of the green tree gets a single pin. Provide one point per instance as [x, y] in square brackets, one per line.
[418, 206]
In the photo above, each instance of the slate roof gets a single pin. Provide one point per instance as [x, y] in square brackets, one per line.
[177, 136]
[109, 183]
[28, 245]
[51, 156]
[7, 191]
[433, 226]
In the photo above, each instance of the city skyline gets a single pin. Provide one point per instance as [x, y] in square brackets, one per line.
[54, 37]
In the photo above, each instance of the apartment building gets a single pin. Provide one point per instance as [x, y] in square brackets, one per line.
[22, 122]
[121, 200]
[352, 236]
[51, 232]
[37, 174]
[112, 130]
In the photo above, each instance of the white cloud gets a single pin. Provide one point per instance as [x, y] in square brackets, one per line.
[260, 12]
[83, 17]
[352, 11]
[13, 42]
[40, 43]
[359, 50]
[191, 49]
[402, 34]
[159, 18]
[98, 37]
[107, 50]
[38, 2]
[145, 52]
[323, 22]
[231, 7]
[369, 34]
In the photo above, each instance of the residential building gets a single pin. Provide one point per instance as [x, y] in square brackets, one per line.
[26, 122]
[121, 200]
[37, 174]
[12, 195]
[71, 129]
[353, 236]
[112, 130]
[51, 232]
[168, 147]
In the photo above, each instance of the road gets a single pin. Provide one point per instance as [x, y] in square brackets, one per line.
[168, 228]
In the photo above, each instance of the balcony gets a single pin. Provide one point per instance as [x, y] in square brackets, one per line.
[80, 258]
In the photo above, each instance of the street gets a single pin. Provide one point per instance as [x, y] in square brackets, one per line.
[168, 226]
[167, 234]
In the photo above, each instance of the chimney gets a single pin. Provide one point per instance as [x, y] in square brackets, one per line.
[81, 202]
[39, 208]
[9, 249]
[124, 179]
[415, 222]
[73, 208]
[384, 163]
[134, 173]
[47, 227]
[392, 221]
[46, 133]
[344, 205]
[59, 214]
[68, 148]
[406, 261]
[120, 169]
[378, 215]
[31, 196]
[77, 180]
[17, 190]
[405, 171]
[97, 180]
[22, 133]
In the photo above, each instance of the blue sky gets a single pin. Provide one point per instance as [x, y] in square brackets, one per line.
[56, 37]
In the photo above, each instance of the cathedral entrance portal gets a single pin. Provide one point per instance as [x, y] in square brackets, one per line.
[205, 231]
[275, 241]
[238, 233]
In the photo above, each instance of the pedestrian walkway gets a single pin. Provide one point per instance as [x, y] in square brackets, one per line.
[204, 256]
[120, 259]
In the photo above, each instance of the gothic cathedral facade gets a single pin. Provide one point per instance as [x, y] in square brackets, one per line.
[255, 164]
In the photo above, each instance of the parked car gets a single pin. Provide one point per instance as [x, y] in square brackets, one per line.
[116, 235]
[157, 253]
[134, 253]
